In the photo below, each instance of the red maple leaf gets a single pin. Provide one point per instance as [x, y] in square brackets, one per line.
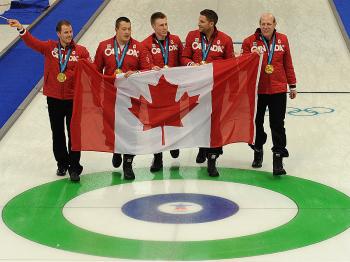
[163, 110]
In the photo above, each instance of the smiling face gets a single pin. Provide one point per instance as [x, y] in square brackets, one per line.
[65, 35]
[267, 25]
[204, 25]
[123, 32]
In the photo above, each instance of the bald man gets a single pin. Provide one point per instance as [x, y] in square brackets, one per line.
[276, 73]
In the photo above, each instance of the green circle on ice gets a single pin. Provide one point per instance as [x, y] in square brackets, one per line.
[37, 214]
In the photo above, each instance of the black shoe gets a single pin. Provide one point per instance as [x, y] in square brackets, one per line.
[201, 156]
[258, 158]
[127, 168]
[128, 173]
[278, 169]
[61, 171]
[157, 163]
[116, 160]
[74, 173]
[212, 171]
[175, 153]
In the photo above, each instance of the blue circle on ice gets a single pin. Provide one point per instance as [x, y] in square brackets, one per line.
[180, 208]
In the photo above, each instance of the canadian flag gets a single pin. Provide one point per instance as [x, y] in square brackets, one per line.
[202, 106]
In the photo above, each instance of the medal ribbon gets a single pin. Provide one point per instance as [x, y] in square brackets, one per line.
[205, 48]
[63, 64]
[165, 52]
[270, 51]
[120, 61]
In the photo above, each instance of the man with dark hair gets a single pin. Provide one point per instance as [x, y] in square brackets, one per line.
[277, 71]
[61, 23]
[121, 19]
[203, 46]
[60, 60]
[122, 54]
[210, 15]
[164, 50]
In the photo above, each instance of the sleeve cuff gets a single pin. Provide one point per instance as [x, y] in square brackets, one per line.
[22, 31]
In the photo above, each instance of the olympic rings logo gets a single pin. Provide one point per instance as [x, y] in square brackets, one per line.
[309, 111]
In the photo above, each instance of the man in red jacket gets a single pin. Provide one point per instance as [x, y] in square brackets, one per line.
[276, 72]
[122, 54]
[60, 60]
[164, 50]
[204, 46]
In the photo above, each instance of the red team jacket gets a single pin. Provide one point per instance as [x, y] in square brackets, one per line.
[221, 48]
[49, 49]
[282, 62]
[135, 59]
[155, 53]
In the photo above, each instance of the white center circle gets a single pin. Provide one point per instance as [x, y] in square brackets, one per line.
[180, 208]
[100, 211]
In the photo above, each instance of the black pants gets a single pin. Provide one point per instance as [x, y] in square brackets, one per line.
[276, 104]
[214, 150]
[60, 112]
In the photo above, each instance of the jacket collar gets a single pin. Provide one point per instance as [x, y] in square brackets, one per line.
[131, 41]
[216, 31]
[154, 37]
[71, 45]
[258, 34]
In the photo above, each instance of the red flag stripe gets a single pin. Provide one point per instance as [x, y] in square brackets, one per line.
[234, 100]
[92, 125]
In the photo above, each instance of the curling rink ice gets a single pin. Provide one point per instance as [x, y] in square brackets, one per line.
[181, 214]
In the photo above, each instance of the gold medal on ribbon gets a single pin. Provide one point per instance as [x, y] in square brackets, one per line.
[61, 77]
[118, 71]
[269, 69]
[165, 66]
[203, 62]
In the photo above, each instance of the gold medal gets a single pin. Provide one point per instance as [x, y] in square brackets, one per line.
[269, 69]
[165, 66]
[203, 62]
[118, 71]
[61, 77]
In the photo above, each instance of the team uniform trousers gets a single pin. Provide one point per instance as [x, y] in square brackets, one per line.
[60, 114]
[276, 104]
